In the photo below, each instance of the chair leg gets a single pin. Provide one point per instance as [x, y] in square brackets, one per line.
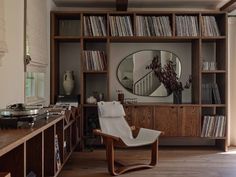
[154, 153]
[110, 156]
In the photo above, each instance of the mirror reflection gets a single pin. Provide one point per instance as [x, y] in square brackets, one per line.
[134, 76]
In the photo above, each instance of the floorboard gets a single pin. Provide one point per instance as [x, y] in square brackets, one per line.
[172, 163]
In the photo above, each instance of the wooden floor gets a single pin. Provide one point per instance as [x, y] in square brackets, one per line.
[172, 163]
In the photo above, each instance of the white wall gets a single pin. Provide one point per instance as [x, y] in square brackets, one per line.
[12, 68]
[232, 80]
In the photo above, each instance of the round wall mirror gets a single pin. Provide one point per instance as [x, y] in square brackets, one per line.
[134, 76]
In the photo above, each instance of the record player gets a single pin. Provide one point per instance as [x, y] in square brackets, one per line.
[20, 115]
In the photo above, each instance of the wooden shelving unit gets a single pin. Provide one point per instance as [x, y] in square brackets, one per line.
[199, 43]
[33, 150]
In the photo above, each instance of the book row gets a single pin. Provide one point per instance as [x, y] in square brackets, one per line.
[186, 25]
[213, 126]
[153, 26]
[94, 26]
[95, 60]
[121, 26]
[210, 93]
[209, 26]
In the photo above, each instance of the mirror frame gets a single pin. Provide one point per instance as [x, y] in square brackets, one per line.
[141, 51]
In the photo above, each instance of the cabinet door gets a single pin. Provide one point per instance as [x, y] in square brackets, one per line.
[166, 120]
[189, 121]
[129, 114]
[143, 116]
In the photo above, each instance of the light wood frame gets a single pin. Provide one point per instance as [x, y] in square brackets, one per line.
[116, 168]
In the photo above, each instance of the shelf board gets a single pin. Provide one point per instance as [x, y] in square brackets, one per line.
[212, 38]
[67, 38]
[221, 138]
[95, 72]
[213, 105]
[137, 38]
[90, 105]
[214, 71]
[151, 38]
[95, 38]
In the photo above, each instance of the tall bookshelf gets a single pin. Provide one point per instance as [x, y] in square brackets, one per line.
[130, 31]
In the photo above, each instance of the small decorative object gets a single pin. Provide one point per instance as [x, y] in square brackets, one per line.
[212, 65]
[98, 96]
[68, 82]
[101, 96]
[168, 77]
[205, 65]
[121, 96]
[91, 100]
[130, 100]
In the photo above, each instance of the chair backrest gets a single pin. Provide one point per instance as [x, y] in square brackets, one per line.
[111, 119]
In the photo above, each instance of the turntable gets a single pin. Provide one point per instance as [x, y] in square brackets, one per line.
[20, 115]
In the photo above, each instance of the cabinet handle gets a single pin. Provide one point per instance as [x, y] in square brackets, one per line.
[181, 107]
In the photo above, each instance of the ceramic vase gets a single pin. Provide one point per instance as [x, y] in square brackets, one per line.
[68, 82]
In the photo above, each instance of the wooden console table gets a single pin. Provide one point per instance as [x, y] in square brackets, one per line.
[33, 150]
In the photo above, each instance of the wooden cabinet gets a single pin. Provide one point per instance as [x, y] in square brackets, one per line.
[23, 151]
[139, 116]
[143, 116]
[178, 120]
[129, 114]
[166, 120]
[189, 120]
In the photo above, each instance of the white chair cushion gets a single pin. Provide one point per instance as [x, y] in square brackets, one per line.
[111, 109]
[145, 137]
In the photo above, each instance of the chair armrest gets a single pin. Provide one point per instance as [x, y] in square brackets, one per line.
[135, 130]
[104, 135]
[149, 132]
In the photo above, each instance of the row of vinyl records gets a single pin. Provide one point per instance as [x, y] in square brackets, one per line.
[209, 26]
[95, 26]
[187, 26]
[150, 26]
[214, 126]
[121, 26]
[153, 26]
[95, 60]
[210, 93]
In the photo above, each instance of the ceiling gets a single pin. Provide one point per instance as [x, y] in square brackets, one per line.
[202, 4]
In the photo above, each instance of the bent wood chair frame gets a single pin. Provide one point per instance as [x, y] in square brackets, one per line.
[116, 168]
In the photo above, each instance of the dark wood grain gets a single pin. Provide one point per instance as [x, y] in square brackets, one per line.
[34, 156]
[129, 114]
[189, 121]
[143, 116]
[229, 6]
[121, 5]
[13, 161]
[166, 120]
[49, 151]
